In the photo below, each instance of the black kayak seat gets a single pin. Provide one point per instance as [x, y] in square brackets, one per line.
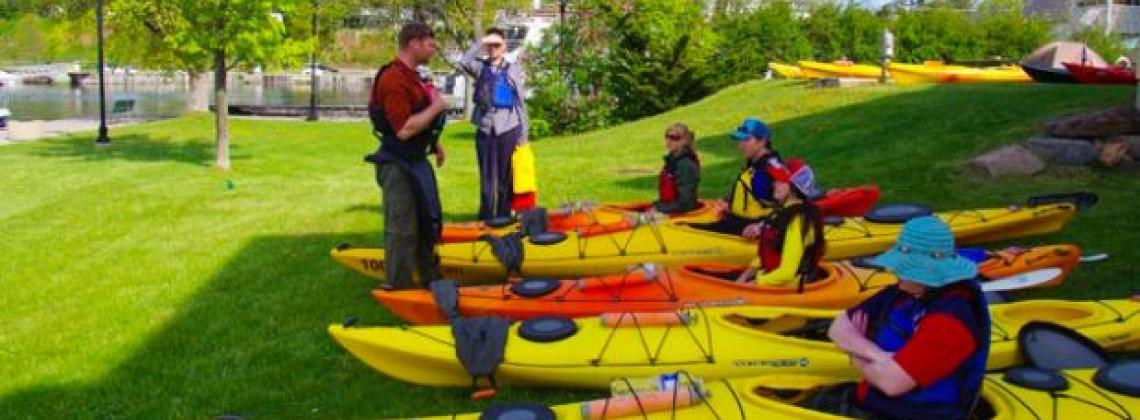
[517, 411]
[1121, 377]
[499, 222]
[536, 287]
[547, 238]
[897, 213]
[546, 329]
[1037, 379]
[1050, 346]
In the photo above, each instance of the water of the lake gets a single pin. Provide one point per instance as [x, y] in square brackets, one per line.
[30, 102]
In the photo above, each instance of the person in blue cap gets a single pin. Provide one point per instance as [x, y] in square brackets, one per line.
[753, 192]
[921, 345]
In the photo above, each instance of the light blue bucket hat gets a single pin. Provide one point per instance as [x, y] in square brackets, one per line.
[924, 253]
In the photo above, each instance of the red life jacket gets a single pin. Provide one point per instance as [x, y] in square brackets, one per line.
[667, 179]
[771, 247]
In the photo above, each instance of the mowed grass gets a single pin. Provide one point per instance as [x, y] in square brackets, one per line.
[136, 284]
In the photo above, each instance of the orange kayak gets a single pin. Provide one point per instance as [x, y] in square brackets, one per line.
[612, 217]
[840, 285]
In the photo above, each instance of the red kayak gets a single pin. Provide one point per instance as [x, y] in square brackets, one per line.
[1101, 75]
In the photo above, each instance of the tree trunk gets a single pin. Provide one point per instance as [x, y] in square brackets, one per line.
[477, 16]
[221, 119]
[199, 100]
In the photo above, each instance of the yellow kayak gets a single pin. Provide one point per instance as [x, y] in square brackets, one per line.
[820, 70]
[786, 71]
[786, 396]
[937, 72]
[717, 343]
[672, 244]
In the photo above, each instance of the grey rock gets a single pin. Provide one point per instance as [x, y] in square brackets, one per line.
[1063, 151]
[1009, 160]
[1133, 143]
[1096, 124]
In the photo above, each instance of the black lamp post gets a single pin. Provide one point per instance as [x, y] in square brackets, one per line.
[102, 140]
[561, 41]
[313, 67]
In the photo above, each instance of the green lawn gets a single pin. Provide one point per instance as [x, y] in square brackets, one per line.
[135, 284]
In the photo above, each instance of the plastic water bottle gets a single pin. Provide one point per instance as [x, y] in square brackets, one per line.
[662, 382]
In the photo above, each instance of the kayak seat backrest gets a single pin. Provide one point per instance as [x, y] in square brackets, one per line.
[1049, 346]
[1121, 377]
[897, 213]
[499, 222]
[534, 288]
[511, 411]
[547, 329]
[547, 238]
[1037, 379]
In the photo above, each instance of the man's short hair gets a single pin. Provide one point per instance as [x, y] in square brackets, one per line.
[496, 31]
[414, 30]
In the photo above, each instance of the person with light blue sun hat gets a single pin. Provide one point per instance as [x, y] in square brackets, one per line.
[921, 345]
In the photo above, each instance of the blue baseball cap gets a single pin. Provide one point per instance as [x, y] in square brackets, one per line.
[752, 127]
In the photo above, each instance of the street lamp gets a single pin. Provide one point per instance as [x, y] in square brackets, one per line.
[102, 140]
[313, 67]
[561, 36]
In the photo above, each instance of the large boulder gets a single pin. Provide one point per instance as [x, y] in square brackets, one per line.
[1063, 151]
[1113, 153]
[1096, 124]
[1009, 160]
[1133, 143]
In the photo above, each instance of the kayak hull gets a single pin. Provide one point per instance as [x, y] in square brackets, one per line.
[670, 244]
[786, 71]
[781, 396]
[946, 73]
[1048, 75]
[722, 343]
[820, 70]
[1100, 75]
[841, 285]
[613, 217]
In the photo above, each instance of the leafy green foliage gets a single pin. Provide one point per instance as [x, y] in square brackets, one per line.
[645, 57]
[1108, 46]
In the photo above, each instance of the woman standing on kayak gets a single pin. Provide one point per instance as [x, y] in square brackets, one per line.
[791, 243]
[922, 344]
[677, 184]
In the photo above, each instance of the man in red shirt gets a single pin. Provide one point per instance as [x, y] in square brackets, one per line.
[405, 115]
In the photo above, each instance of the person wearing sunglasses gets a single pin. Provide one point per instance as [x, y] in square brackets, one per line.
[678, 181]
[501, 120]
[752, 195]
[921, 345]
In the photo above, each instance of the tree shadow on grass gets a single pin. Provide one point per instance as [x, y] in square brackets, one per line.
[252, 342]
[135, 148]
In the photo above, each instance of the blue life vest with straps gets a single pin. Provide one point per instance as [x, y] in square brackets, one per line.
[495, 89]
[955, 395]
